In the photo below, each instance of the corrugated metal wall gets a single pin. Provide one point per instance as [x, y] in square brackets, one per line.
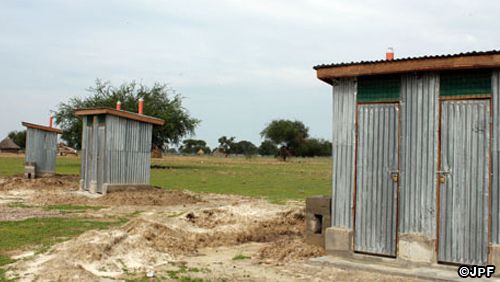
[495, 157]
[343, 141]
[419, 153]
[41, 148]
[128, 151]
[376, 192]
[464, 194]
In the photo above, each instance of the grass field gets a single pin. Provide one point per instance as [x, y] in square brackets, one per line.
[269, 178]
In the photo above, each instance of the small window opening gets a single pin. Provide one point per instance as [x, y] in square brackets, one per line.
[29, 175]
[318, 224]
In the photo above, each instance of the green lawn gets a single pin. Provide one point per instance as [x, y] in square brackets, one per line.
[256, 177]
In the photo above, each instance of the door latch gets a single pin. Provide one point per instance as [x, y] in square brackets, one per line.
[441, 175]
[395, 175]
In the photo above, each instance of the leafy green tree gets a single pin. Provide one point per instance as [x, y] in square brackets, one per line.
[18, 137]
[246, 148]
[225, 144]
[312, 147]
[159, 101]
[192, 146]
[267, 148]
[288, 135]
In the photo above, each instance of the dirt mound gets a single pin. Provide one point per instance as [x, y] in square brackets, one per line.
[286, 249]
[161, 238]
[142, 197]
[68, 182]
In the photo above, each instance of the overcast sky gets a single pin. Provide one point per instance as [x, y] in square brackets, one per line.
[239, 64]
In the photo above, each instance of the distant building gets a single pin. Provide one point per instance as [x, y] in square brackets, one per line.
[116, 149]
[41, 150]
[8, 146]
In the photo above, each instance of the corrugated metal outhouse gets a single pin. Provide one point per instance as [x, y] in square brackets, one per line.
[416, 160]
[41, 150]
[116, 149]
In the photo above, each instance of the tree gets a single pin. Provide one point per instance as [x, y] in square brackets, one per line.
[159, 101]
[225, 144]
[267, 148]
[312, 147]
[18, 137]
[246, 148]
[192, 146]
[288, 135]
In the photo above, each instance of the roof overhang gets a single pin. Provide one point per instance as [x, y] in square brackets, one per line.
[119, 113]
[41, 127]
[439, 63]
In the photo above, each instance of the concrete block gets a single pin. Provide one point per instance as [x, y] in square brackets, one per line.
[417, 248]
[45, 173]
[30, 171]
[318, 218]
[494, 258]
[93, 187]
[82, 185]
[338, 241]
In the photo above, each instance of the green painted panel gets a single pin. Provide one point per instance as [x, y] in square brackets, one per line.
[465, 83]
[379, 88]
[101, 119]
[90, 120]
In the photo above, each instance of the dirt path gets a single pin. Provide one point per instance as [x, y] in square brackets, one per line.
[174, 234]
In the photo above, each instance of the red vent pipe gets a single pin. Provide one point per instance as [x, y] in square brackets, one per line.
[50, 123]
[390, 54]
[141, 105]
[118, 105]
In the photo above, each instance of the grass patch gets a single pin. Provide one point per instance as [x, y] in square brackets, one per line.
[18, 205]
[261, 177]
[71, 208]
[40, 233]
[240, 257]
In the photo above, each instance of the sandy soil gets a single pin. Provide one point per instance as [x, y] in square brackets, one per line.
[172, 234]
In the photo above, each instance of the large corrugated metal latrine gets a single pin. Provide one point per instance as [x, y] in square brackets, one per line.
[416, 162]
[116, 149]
[41, 150]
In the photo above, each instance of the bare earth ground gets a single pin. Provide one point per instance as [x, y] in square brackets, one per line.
[171, 233]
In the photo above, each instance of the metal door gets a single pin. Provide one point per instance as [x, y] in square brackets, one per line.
[377, 164]
[464, 182]
[101, 143]
[87, 155]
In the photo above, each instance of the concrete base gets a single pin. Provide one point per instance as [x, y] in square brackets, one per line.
[45, 173]
[494, 258]
[93, 187]
[338, 241]
[417, 248]
[318, 219]
[82, 185]
[107, 188]
[30, 171]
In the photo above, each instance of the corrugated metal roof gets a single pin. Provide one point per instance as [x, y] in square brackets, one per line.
[120, 113]
[467, 54]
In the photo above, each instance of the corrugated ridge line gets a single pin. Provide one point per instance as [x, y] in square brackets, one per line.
[419, 142]
[343, 128]
[495, 158]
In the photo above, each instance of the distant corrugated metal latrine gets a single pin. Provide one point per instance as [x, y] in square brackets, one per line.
[416, 158]
[116, 149]
[41, 150]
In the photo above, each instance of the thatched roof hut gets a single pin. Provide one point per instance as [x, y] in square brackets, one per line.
[8, 146]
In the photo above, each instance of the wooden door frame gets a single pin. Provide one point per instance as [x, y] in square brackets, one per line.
[438, 188]
[398, 103]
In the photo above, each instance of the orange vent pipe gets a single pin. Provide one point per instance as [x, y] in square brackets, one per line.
[141, 105]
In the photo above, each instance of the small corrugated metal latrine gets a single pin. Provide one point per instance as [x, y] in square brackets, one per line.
[41, 150]
[116, 149]
[416, 158]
